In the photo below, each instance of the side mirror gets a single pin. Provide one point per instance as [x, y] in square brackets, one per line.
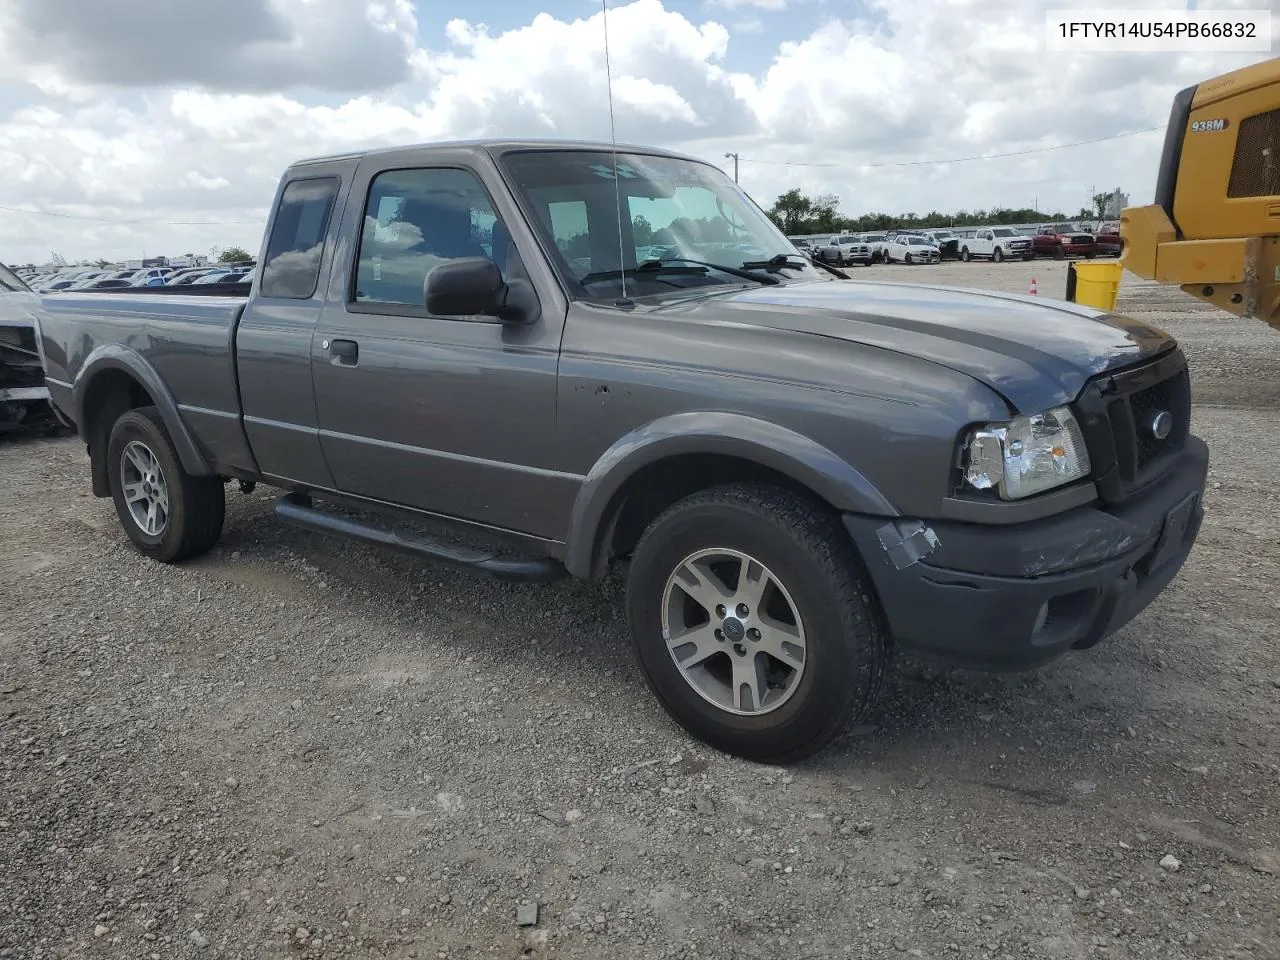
[464, 287]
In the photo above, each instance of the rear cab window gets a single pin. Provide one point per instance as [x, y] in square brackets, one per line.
[291, 269]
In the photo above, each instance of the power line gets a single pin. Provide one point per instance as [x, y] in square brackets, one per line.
[170, 223]
[985, 156]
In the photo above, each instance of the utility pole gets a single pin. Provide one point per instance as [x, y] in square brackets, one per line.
[735, 165]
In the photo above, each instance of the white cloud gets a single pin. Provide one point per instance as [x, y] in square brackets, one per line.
[758, 4]
[164, 140]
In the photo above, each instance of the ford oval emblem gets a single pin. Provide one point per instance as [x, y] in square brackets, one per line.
[1161, 425]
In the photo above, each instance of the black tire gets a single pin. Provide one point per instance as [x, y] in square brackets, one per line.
[1089, 256]
[847, 643]
[997, 255]
[196, 505]
[908, 259]
[1059, 253]
[1028, 256]
[965, 255]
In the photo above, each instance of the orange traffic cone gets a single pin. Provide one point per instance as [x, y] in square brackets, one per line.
[1032, 292]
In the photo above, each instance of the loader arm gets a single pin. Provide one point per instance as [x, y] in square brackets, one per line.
[1214, 229]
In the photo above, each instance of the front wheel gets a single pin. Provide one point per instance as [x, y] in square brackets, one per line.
[997, 255]
[1059, 253]
[908, 259]
[167, 513]
[754, 622]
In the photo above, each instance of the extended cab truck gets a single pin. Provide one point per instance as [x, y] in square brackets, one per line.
[801, 470]
[996, 244]
[1062, 240]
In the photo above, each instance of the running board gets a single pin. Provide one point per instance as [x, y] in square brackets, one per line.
[296, 509]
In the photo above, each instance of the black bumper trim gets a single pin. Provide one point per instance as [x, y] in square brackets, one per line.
[1013, 597]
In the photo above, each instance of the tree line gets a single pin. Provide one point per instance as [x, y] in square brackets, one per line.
[796, 213]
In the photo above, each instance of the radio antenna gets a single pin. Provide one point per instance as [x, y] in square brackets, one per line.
[613, 139]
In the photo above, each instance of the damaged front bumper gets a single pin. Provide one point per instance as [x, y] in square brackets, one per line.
[1012, 597]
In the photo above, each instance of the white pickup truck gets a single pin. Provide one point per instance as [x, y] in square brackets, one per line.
[996, 244]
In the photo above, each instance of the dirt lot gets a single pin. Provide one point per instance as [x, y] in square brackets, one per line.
[297, 747]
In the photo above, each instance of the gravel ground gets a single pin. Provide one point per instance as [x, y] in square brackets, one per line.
[297, 747]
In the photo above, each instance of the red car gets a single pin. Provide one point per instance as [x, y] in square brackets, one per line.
[1062, 240]
[1107, 239]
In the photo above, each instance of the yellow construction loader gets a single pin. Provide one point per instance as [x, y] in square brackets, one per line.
[1214, 229]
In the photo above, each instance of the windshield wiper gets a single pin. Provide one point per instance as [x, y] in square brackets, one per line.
[778, 260]
[670, 264]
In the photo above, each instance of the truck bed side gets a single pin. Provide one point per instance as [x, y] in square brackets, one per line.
[178, 349]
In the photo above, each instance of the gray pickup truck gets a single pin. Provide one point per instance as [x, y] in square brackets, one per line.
[801, 470]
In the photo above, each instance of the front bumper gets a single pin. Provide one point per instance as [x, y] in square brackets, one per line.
[1012, 597]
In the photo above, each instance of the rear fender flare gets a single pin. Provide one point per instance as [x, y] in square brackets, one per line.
[114, 356]
[729, 434]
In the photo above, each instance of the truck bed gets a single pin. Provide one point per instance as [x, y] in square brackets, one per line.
[188, 340]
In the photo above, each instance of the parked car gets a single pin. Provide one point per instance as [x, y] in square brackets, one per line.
[104, 283]
[802, 470]
[24, 396]
[181, 278]
[845, 249]
[875, 245]
[214, 276]
[908, 248]
[947, 242]
[996, 244]
[150, 277]
[1107, 241]
[1061, 240]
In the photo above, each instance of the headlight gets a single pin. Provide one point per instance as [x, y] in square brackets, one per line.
[1027, 455]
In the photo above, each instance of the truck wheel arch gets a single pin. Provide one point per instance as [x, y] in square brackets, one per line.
[716, 447]
[113, 380]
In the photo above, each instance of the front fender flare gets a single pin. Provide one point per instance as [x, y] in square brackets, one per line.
[115, 356]
[728, 434]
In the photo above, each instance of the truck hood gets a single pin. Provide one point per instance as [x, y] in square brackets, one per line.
[1035, 353]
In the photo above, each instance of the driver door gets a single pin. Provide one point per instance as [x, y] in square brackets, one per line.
[454, 415]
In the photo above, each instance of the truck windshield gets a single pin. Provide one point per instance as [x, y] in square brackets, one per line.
[672, 209]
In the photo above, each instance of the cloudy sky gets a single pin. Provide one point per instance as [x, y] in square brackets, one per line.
[161, 126]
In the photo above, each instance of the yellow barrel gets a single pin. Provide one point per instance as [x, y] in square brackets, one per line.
[1095, 284]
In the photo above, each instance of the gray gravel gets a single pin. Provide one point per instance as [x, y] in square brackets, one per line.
[297, 747]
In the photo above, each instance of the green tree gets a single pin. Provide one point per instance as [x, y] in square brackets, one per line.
[824, 217]
[641, 230]
[1100, 201]
[232, 254]
[791, 211]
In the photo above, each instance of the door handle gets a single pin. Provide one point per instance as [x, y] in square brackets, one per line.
[344, 352]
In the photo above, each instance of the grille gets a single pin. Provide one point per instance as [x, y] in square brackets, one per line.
[1146, 405]
[19, 361]
[1118, 411]
[1255, 171]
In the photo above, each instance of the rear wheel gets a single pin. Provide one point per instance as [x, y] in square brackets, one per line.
[754, 622]
[167, 513]
[965, 255]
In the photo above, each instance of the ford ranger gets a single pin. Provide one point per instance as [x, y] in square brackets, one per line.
[799, 470]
